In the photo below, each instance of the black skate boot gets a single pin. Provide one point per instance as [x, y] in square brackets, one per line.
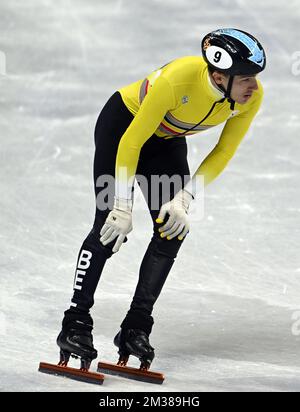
[133, 342]
[76, 340]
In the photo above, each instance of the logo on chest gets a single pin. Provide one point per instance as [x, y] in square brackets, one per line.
[233, 114]
[184, 99]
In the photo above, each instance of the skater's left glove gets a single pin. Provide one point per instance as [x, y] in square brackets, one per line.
[118, 223]
[177, 208]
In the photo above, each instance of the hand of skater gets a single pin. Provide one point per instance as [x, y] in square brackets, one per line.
[118, 224]
[177, 209]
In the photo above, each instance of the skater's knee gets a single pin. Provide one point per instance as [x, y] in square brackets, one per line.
[166, 247]
[92, 242]
[93, 239]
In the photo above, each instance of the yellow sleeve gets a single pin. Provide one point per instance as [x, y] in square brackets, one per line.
[232, 135]
[159, 99]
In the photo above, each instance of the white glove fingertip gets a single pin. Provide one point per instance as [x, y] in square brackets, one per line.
[104, 242]
[104, 229]
[184, 233]
[170, 237]
[176, 231]
[118, 243]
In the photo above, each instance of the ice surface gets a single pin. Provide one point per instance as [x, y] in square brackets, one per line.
[225, 318]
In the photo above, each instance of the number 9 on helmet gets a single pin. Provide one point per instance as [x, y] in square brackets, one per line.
[233, 52]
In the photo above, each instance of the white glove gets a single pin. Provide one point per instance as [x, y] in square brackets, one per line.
[118, 223]
[177, 208]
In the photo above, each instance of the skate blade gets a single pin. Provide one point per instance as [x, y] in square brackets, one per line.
[72, 373]
[131, 373]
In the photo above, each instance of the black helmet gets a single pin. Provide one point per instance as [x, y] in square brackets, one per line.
[233, 52]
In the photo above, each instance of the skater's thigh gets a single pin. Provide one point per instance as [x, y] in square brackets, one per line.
[112, 122]
[162, 173]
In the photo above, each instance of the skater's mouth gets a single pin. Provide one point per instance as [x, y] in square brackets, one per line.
[247, 96]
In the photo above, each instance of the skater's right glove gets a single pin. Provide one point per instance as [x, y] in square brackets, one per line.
[118, 223]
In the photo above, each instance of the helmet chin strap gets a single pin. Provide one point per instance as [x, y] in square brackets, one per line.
[228, 92]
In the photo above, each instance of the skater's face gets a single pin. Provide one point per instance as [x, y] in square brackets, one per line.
[242, 87]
